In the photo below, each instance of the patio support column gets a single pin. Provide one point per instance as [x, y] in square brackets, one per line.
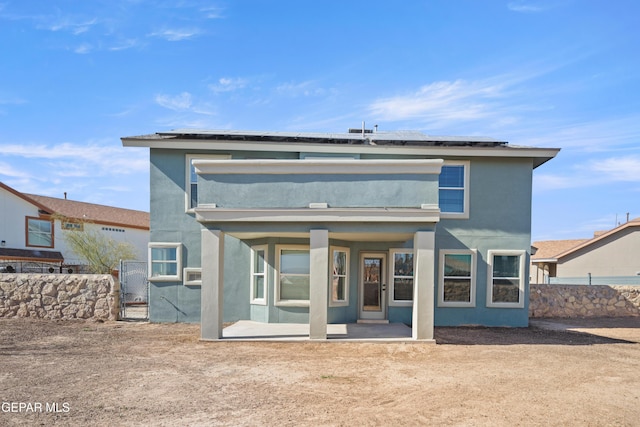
[423, 285]
[318, 283]
[211, 291]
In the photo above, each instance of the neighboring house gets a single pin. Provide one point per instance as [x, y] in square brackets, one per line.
[609, 254]
[32, 230]
[339, 228]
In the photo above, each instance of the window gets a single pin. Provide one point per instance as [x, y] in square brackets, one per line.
[506, 279]
[192, 276]
[191, 178]
[453, 190]
[165, 261]
[339, 277]
[259, 275]
[293, 264]
[457, 278]
[401, 277]
[39, 232]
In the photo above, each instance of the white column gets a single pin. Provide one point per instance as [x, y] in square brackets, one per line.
[211, 291]
[423, 285]
[318, 284]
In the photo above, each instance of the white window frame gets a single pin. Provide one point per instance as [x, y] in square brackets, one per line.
[187, 183]
[467, 172]
[441, 277]
[264, 275]
[166, 245]
[334, 302]
[278, 301]
[521, 277]
[186, 273]
[392, 302]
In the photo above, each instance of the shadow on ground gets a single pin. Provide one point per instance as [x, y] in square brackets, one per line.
[547, 331]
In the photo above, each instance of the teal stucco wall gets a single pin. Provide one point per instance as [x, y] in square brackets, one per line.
[499, 219]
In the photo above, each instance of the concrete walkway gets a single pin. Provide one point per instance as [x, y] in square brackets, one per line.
[246, 330]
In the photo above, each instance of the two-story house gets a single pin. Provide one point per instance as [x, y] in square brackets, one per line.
[33, 229]
[339, 228]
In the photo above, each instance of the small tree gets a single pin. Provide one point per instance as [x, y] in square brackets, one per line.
[100, 252]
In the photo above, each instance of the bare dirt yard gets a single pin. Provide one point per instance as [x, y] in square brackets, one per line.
[125, 373]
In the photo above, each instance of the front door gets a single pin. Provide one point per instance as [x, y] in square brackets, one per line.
[373, 286]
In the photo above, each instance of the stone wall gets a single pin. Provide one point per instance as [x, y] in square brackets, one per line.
[584, 301]
[59, 296]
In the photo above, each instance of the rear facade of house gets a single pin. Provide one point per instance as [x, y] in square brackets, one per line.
[339, 228]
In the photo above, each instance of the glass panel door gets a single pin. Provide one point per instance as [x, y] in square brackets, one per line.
[373, 288]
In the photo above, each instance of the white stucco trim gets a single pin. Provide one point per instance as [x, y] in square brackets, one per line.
[295, 215]
[327, 165]
[423, 314]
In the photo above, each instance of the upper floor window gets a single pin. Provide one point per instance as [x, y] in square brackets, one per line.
[453, 190]
[506, 282]
[39, 232]
[191, 178]
[401, 277]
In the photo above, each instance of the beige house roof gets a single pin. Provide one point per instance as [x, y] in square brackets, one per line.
[100, 214]
[547, 249]
[556, 249]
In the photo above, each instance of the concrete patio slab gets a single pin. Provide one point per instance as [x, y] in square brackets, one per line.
[246, 330]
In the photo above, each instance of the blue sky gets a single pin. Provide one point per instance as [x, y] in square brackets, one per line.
[78, 75]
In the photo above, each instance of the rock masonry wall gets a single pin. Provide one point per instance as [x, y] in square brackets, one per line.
[584, 301]
[59, 296]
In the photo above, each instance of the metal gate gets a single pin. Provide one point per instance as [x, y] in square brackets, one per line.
[134, 290]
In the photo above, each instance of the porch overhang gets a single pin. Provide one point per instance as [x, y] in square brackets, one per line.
[427, 214]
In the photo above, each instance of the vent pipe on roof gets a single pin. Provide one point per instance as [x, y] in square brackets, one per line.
[65, 195]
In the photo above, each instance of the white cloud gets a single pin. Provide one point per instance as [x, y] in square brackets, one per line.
[8, 170]
[597, 135]
[175, 34]
[67, 24]
[521, 6]
[80, 169]
[592, 173]
[446, 101]
[125, 44]
[84, 48]
[228, 84]
[212, 12]
[306, 88]
[177, 103]
[617, 169]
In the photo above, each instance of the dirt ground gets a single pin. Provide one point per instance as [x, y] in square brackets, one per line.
[127, 373]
